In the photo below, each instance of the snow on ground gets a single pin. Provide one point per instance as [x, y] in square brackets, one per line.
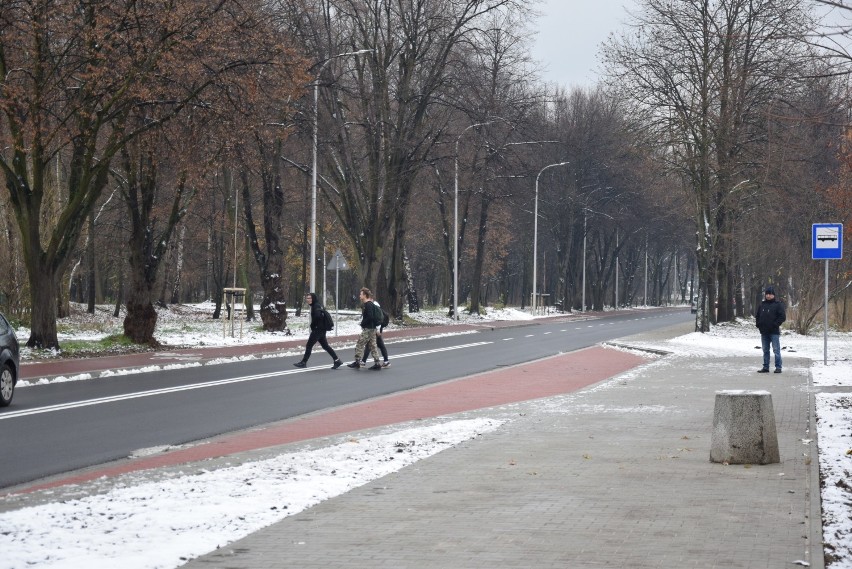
[191, 515]
[101, 530]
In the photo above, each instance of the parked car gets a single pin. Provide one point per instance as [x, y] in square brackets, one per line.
[10, 359]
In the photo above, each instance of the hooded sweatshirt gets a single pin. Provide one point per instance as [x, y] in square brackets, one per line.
[317, 317]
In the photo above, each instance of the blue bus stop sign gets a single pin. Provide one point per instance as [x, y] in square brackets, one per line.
[827, 241]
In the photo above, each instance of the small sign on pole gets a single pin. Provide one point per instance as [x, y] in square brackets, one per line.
[338, 263]
[826, 243]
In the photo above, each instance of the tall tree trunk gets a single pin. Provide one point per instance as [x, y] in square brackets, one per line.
[269, 260]
[479, 261]
[411, 290]
[43, 333]
[148, 246]
[176, 285]
[141, 319]
[92, 272]
[119, 292]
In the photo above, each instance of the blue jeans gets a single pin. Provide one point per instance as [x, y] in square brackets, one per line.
[775, 340]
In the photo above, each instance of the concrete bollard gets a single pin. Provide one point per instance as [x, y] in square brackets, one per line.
[744, 428]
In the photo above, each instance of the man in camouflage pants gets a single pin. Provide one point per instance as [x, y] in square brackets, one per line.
[369, 322]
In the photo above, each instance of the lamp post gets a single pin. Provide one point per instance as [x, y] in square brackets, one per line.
[585, 233]
[585, 216]
[456, 220]
[314, 164]
[535, 233]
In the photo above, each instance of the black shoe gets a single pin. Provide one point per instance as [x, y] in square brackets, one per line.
[376, 366]
[354, 365]
[778, 370]
[386, 364]
[337, 364]
[300, 364]
[763, 370]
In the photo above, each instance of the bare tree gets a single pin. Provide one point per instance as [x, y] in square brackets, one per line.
[72, 77]
[702, 73]
[379, 112]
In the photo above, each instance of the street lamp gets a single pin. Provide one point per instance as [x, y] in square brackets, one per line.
[535, 233]
[456, 221]
[585, 216]
[314, 166]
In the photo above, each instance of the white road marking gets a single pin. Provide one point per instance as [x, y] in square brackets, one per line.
[179, 388]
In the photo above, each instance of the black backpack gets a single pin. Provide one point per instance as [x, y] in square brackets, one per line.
[377, 314]
[327, 322]
[385, 317]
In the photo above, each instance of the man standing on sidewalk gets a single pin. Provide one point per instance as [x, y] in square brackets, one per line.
[769, 317]
[369, 321]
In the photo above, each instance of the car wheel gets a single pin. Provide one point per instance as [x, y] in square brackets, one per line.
[7, 385]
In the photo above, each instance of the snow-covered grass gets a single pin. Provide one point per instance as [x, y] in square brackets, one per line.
[192, 326]
[102, 530]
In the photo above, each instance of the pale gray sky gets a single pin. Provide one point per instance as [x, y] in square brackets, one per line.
[569, 34]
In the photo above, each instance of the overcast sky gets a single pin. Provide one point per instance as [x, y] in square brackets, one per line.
[569, 34]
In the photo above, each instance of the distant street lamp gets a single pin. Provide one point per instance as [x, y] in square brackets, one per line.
[535, 233]
[314, 166]
[585, 216]
[456, 221]
[586, 211]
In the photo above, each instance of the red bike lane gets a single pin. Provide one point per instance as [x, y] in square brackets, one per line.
[556, 375]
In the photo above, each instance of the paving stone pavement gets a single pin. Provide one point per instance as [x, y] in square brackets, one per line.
[616, 475]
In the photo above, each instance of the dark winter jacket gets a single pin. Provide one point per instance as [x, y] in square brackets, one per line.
[317, 314]
[769, 316]
[367, 319]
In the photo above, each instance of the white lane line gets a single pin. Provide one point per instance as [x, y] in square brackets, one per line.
[176, 389]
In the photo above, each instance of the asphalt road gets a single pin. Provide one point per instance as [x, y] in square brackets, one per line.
[62, 427]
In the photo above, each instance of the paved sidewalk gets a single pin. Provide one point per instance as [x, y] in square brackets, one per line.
[617, 475]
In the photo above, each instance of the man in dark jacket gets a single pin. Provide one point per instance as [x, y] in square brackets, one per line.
[769, 317]
[318, 332]
[369, 321]
[380, 343]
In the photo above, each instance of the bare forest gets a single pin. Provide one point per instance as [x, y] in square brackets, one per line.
[159, 152]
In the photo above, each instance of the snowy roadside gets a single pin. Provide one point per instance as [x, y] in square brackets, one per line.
[190, 326]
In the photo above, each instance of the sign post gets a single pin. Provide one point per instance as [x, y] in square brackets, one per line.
[826, 243]
[338, 263]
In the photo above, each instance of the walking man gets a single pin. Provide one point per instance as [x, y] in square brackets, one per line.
[380, 343]
[769, 317]
[318, 331]
[369, 321]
